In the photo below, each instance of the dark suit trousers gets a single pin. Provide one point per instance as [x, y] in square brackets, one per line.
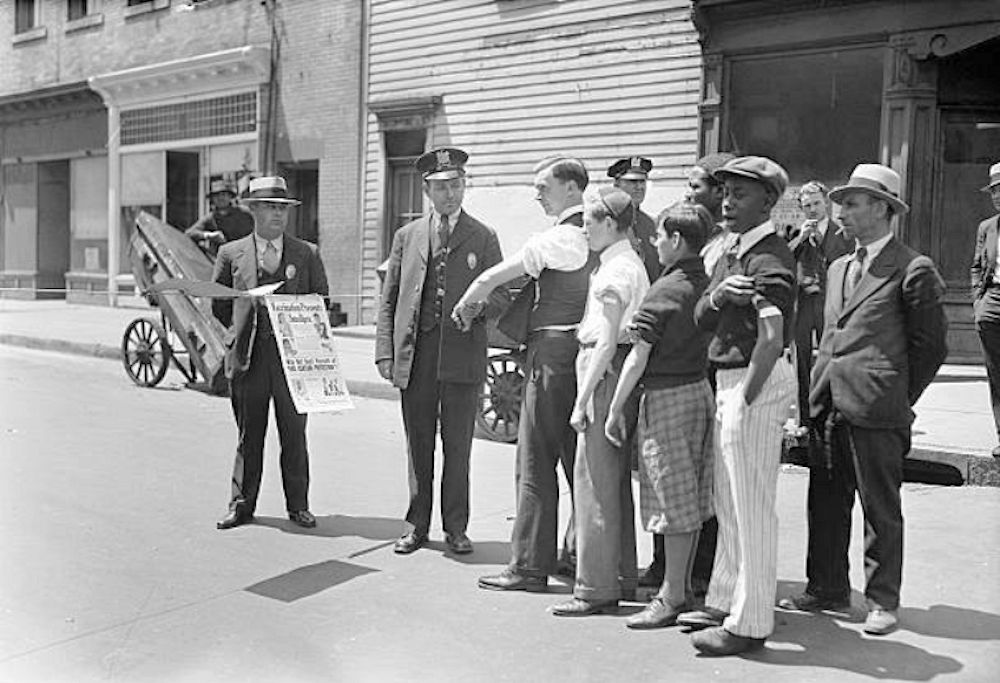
[869, 461]
[808, 319]
[426, 401]
[988, 327]
[251, 394]
[545, 439]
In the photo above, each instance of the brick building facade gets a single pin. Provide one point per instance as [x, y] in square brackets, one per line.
[108, 106]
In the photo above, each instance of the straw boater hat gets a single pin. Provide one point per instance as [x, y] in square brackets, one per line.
[874, 179]
[270, 189]
[994, 178]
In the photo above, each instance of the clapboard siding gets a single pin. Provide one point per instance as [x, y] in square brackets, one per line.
[523, 79]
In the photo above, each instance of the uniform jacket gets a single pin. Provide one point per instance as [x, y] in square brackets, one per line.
[236, 267]
[812, 260]
[984, 260]
[882, 347]
[472, 249]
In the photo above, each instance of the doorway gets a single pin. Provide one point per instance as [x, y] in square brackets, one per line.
[183, 188]
[303, 184]
[53, 229]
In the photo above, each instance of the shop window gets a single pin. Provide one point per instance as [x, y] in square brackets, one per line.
[213, 117]
[26, 15]
[77, 9]
[817, 114]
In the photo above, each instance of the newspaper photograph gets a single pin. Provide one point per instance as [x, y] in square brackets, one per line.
[308, 354]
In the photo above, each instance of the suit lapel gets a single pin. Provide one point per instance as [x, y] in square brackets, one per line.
[248, 262]
[880, 271]
[460, 233]
[991, 246]
[422, 235]
[835, 284]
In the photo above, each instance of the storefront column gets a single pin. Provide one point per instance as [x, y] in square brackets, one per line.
[909, 132]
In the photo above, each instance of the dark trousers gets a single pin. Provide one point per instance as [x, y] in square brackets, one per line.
[869, 461]
[545, 439]
[988, 326]
[427, 402]
[251, 394]
[808, 321]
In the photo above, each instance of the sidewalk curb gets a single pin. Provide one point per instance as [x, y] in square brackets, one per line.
[360, 388]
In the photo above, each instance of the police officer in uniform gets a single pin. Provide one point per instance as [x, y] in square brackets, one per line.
[630, 176]
[437, 365]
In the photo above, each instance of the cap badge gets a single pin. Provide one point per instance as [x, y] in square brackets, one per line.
[443, 157]
[636, 162]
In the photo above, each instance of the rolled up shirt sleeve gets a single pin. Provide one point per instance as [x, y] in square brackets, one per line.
[562, 247]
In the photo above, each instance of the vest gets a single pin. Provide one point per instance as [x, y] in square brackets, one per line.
[561, 296]
[432, 295]
[264, 329]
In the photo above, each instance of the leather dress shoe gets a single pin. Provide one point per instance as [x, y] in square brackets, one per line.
[303, 518]
[407, 543]
[658, 614]
[234, 518]
[584, 608]
[881, 622]
[807, 602]
[459, 543]
[719, 642]
[510, 580]
[706, 617]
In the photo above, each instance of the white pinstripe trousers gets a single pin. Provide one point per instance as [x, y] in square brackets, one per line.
[748, 452]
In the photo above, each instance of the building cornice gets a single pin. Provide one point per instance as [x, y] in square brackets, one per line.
[246, 66]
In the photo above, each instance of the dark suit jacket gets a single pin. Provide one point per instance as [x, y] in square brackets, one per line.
[812, 261]
[882, 347]
[984, 260]
[236, 267]
[472, 249]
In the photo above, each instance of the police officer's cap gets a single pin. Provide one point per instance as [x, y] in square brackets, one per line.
[632, 168]
[443, 163]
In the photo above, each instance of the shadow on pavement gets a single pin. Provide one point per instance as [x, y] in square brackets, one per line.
[817, 640]
[309, 580]
[336, 526]
[947, 621]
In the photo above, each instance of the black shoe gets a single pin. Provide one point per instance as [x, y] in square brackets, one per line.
[810, 603]
[459, 543]
[718, 642]
[510, 580]
[409, 542]
[303, 518]
[234, 518]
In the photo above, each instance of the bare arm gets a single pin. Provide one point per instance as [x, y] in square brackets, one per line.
[767, 350]
[635, 365]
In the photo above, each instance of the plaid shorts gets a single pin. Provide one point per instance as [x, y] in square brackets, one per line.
[676, 452]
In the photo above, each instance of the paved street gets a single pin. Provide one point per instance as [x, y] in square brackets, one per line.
[111, 567]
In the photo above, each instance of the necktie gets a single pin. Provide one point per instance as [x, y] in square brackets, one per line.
[270, 260]
[443, 232]
[732, 252]
[854, 272]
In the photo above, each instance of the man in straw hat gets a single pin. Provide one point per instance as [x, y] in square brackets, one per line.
[253, 365]
[438, 365]
[883, 341]
[226, 221]
[985, 278]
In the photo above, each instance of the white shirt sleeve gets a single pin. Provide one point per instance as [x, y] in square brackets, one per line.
[558, 248]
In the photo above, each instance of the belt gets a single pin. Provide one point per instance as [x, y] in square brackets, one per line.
[551, 334]
[590, 345]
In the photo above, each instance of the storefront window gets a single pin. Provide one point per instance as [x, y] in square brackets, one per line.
[817, 114]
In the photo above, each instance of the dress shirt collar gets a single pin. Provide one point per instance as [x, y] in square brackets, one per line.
[822, 225]
[452, 219]
[278, 242]
[874, 249]
[569, 212]
[751, 237]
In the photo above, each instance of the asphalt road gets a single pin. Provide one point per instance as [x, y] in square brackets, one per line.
[111, 568]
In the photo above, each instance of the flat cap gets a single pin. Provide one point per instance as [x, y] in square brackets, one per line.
[632, 168]
[765, 171]
[443, 163]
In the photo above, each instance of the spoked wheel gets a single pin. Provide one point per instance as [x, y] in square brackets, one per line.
[145, 352]
[500, 400]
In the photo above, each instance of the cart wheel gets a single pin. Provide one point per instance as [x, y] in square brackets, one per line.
[500, 400]
[145, 352]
